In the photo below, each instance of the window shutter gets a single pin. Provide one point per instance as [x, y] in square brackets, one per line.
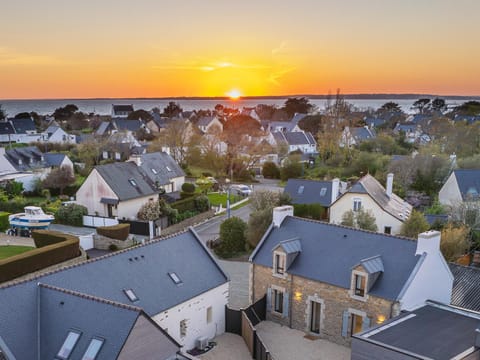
[269, 299]
[285, 305]
[345, 323]
[365, 323]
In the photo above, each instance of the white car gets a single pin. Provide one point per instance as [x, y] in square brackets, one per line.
[240, 189]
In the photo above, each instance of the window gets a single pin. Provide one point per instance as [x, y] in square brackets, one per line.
[183, 328]
[279, 264]
[278, 301]
[300, 189]
[132, 182]
[357, 204]
[360, 285]
[154, 171]
[168, 168]
[356, 324]
[131, 295]
[209, 314]
[68, 345]
[175, 278]
[323, 191]
[387, 230]
[93, 349]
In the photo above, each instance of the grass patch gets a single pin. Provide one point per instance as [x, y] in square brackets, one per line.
[12, 250]
[221, 198]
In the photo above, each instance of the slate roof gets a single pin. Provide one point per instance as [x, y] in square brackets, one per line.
[160, 168]
[466, 287]
[102, 128]
[144, 269]
[432, 331]
[298, 138]
[468, 181]
[118, 177]
[374, 121]
[122, 108]
[30, 156]
[23, 125]
[329, 252]
[362, 133]
[311, 193]
[394, 205]
[130, 125]
[205, 120]
[54, 159]
[6, 128]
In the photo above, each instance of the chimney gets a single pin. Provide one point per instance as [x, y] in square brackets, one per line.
[389, 185]
[137, 159]
[280, 213]
[335, 189]
[428, 242]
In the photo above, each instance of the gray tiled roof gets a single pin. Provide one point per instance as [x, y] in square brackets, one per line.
[102, 128]
[30, 156]
[394, 205]
[329, 252]
[466, 287]
[54, 159]
[205, 120]
[144, 269]
[118, 176]
[130, 125]
[311, 193]
[468, 181]
[297, 138]
[23, 125]
[163, 164]
[363, 133]
[122, 108]
[6, 128]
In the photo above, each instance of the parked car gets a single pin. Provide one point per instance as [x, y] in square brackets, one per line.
[240, 189]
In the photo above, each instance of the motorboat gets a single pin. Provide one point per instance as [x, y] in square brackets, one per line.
[33, 218]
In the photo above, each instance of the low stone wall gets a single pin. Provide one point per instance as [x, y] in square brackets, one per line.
[187, 223]
[103, 243]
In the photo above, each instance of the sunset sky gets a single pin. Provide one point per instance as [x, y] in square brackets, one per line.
[159, 48]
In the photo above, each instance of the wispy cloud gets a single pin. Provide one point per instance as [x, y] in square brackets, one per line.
[277, 75]
[208, 66]
[280, 49]
[12, 57]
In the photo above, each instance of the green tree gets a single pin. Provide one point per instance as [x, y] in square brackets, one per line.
[23, 115]
[59, 178]
[414, 225]
[469, 108]
[292, 168]
[270, 170]
[454, 242]
[311, 123]
[232, 237]
[421, 105]
[389, 107]
[65, 112]
[172, 109]
[439, 104]
[366, 220]
[348, 218]
[297, 105]
[71, 214]
[140, 115]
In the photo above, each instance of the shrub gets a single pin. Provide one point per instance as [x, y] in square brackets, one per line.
[202, 203]
[270, 170]
[4, 224]
[71, 214]
[187, 204]
[14, 205]
[113, 247]
[232, 237]
[309, 211]
[149, 211]
[119, 232]
[188, 188]
[65, 248]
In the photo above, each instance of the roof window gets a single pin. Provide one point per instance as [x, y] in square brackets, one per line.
[300, 189]
[132, 182]
[68, 345]
[323, 191]
[175, 278]
[131, 295]
[168, 168]
[154, 171]
[93, 349]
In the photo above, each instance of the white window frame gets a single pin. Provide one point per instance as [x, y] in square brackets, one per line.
[281, 255]
[356, 273]
[209, 314]
[357, 204]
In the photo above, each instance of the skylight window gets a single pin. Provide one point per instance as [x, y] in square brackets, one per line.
[131, 295]
[154, 171]
[68, 344]
[132, 182]
[175, 278]
[93, 349]
[323, 191]
[300, 189]
[168, 168]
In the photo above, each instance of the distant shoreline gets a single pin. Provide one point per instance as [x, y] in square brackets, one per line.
[310, 96]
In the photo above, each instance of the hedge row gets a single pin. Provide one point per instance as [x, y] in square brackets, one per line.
[119, 232]
[309, 211]
[44, 238]
[187, 204]
[4, 224]
[37, 259]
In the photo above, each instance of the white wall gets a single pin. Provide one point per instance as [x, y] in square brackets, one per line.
[92, 191]
[383, 218]
[129, 209]
[177, 183]
[195, 311]
[450, 193]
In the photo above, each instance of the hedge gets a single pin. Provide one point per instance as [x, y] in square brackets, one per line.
[119, 232]
[187, 204]
[310, 211]
[4, 224]
[40, 258]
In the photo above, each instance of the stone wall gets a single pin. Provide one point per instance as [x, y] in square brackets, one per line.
[103, 243]
[194, 220]
[334, 301]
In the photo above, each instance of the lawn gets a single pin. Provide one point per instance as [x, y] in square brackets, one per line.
[218, 198]
[11, 250]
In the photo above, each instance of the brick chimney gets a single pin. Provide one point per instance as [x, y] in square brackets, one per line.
[389, 185]
[280, 213]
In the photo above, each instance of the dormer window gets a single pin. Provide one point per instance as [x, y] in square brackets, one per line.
[357, 204]
[360, 282]
[279, 263]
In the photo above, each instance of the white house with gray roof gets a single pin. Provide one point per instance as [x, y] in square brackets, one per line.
[55, 134]
[461, 188]
[332, 281]
[390, 211]
[296, 141]
[140, 303]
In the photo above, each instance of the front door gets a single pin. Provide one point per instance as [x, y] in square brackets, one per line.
[316, 309]
[110, 210]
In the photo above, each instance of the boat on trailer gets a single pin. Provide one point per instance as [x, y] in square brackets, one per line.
[32, 219]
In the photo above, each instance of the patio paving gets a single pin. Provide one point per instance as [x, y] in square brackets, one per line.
[229, 347]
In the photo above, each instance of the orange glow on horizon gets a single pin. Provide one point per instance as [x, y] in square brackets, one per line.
[234, 94]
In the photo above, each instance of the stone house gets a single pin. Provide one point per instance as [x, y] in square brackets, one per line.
[389, 210]
[332, 281]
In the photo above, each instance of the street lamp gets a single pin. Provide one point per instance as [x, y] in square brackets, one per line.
[227, 181]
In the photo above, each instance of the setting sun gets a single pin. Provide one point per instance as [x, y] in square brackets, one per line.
[234, 94]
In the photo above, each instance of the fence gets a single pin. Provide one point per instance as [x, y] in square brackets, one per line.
[242, 322]
[96, 221]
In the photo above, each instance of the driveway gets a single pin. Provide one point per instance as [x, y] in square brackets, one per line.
[229, 347]
[238, 271]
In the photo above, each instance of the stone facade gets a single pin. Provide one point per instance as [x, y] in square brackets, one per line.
[333, 302]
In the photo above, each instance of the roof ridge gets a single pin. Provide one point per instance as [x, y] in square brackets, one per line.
[118, 252]
[352, 228]
[91, 297]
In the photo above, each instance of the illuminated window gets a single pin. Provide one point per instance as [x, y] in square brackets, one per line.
[68, 344]
[93, 349]
[356, 324]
